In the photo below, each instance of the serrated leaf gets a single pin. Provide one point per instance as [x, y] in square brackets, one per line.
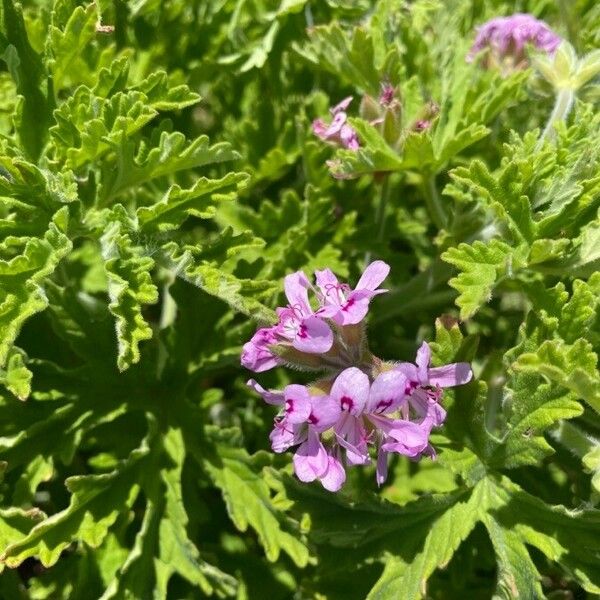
[163, 96]
[25, 66]
[571, 366]
[201, 200]
[172, 154]
[409, 580]
[22, 278]
[480, 266]
[249, 503]
[16, 377]
[130, 286]
[162, 547]
[242, 294]
[89, 126]
[65, 46]
[96, 501]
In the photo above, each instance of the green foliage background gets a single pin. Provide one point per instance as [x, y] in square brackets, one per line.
[159, 179]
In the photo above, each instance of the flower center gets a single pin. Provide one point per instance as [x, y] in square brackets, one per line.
[347, 403]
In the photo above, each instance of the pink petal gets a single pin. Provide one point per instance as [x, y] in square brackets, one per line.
[335, 476]
[311, 459]
[450, 375]
[356, 307]
[328, 283]
[336, 125]
[410, 372]
[297, 403]
[343, 105]
[382, 467]
[285, 435]
[319, 127]
[373, 275]
[296, 289]
[325, 412]
[351, 390]
[314, 336]
[387, 392]
[268, 396]
[352, 436]
[422, 362]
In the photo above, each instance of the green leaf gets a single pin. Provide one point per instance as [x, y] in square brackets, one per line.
[201, 200]
[16, 377]
[408, 580]
[162, 96]
[242, 294]
[172, 154]
[162, 547]
[96, 502]
[22, 279]
[130, 286]
[572, 366]
[480, 265]
[65, 47]
[249, 502]
[88, 127]
[25, 66]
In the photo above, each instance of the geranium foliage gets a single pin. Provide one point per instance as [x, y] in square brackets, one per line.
[168, 173]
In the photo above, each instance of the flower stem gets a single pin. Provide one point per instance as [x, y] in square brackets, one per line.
[562, 107]
[384, 195]
[433, 201]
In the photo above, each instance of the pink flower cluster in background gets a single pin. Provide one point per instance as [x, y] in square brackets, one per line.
[338, 132]
[362, 403]
[508, 37]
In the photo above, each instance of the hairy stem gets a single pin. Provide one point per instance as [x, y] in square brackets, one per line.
[433, 201]
[560, 112]
[384, 195]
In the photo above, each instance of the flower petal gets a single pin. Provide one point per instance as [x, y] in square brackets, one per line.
[373, 275]
[285, 435]
[311, 459]
[450, 375]
[270, 397]
[296, 290]
[256, 355]
[342, 105]
[335, 476]
[422, 362]
[325, 412]
[352, 436]
[382, 467]
[351, 390]
[387, 392]
[297, 403]
[314, 336]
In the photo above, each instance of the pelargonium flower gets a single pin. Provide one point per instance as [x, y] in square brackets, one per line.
[508, 36]
[308, 330]
[393, 412]
[344, 305]
[339, 131]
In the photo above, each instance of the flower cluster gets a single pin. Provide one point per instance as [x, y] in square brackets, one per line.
[362, 402]
[507, 37]
[338, 132]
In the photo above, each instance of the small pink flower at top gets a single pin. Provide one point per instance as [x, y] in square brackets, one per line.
[309, 331]
[339, 131]
[344, 305]
[508, 36]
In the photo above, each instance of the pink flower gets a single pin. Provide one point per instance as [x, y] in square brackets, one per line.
[307, 330]
[256, 355]
[338, 132]
[344, 305]
[508, 36]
